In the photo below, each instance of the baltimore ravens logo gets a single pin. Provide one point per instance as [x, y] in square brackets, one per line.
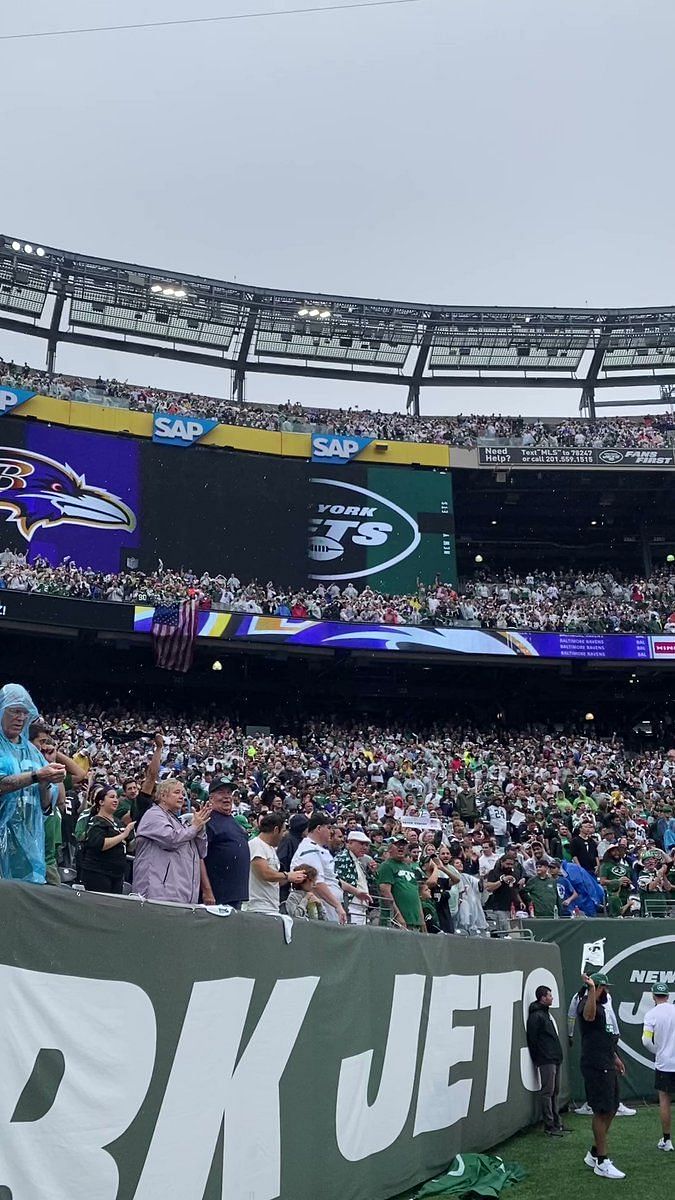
[39, 492]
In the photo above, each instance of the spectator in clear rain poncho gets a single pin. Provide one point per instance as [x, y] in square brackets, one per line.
[28, 789]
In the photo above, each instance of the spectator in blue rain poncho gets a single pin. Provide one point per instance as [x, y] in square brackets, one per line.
[28, 789]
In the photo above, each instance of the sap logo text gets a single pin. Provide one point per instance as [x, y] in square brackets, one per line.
[11, 398]
[180, 431]
[337, 449]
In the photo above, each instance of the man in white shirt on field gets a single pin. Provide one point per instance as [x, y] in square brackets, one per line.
[658, 1035]
[266, 874]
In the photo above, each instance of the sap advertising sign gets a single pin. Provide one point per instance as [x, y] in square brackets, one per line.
[333, 450]
[11, 398]
[180, 431]
[345, 521]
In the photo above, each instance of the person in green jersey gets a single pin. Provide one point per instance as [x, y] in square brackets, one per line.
[615, 878]
[398, 880]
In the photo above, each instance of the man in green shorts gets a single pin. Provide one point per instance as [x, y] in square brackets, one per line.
[398, 880]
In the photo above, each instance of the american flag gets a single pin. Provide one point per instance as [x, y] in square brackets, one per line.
[174, 629]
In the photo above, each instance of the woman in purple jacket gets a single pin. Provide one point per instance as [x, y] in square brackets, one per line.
[168, 853]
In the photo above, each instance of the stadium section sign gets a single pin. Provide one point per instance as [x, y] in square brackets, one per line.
[333, 450]
[416, 1048]
[180, 431]
[572, 456]
[634, 954]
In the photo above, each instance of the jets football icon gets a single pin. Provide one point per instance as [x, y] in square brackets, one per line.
[323, 549]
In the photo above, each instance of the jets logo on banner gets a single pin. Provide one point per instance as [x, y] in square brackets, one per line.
[346, 519]
[180, 431]
[11, 398]
[333, 450]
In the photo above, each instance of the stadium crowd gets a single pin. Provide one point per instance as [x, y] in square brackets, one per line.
[462, 430]
[443, 829]
[572, 601]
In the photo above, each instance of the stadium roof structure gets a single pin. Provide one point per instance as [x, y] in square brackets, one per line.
[65, 297]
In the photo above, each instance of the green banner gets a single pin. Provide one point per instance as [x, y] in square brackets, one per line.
[427, 497]
[153, 1051]
[635, 954]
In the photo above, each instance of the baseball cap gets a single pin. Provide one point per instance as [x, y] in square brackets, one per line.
[555, 862]
[399, 841]
[219, 785]
[355, 835]
[600, 980]
[660, 989]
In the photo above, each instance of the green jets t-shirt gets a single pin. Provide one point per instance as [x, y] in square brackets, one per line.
[612, 873]
[404, 880]
[543, 894]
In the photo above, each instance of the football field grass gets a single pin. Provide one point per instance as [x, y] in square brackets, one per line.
[555, 1166]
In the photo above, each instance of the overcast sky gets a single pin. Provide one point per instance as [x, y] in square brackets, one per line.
[456, 151]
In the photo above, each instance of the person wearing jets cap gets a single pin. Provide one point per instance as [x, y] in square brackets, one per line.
[352, 877]
[658, 1035]
[600, 1067]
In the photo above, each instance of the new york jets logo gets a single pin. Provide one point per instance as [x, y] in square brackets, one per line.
[632, 973]
[354, 532]
[611, 456]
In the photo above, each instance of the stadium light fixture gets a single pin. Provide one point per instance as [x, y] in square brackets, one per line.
[314, 312]
[493, 522]
[304, 311]
[594, 522]
[590, 716]
[478, 558]
[325, 314]
[40, 252]
[28, 249]
[169, 289]
[670, 558]
[16, 245]
[217, 665]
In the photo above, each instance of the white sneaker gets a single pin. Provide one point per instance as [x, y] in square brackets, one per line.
[665, 1144]
[590, 1159]
[608, 1171]
[624, 1111]
[584, 1111]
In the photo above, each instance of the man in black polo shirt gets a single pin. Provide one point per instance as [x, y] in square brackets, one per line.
[600, 1067]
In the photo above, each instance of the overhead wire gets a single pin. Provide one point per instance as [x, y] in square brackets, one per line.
[254, 16]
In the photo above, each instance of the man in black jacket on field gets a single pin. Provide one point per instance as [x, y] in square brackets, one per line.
[546, 1051]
